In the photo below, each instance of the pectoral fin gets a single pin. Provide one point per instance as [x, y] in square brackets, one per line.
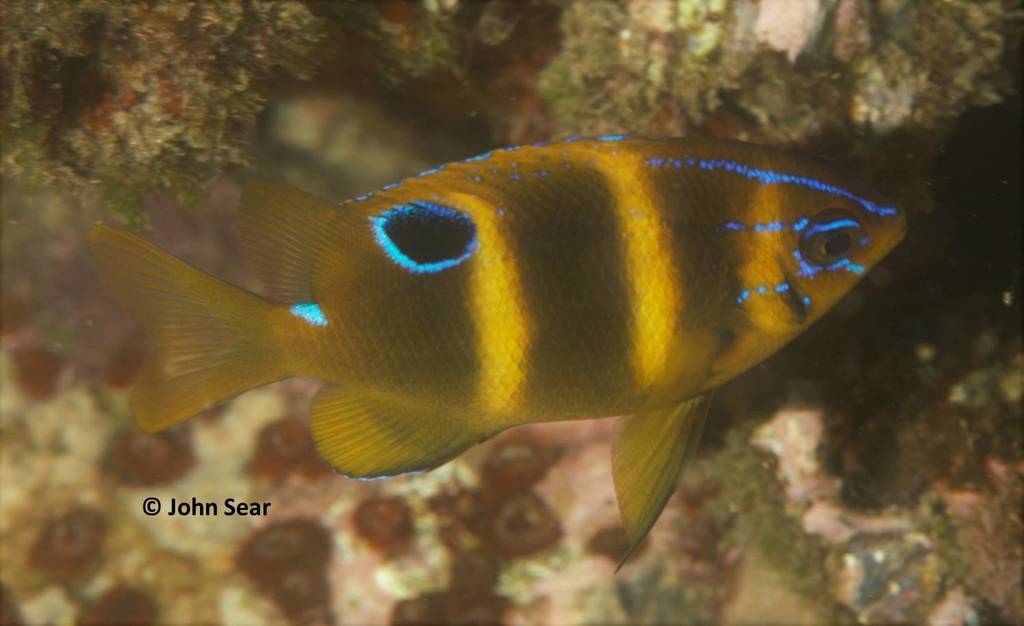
[365, 433]
[648, 457]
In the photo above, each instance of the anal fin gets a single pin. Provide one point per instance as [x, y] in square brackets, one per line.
[648, 457]
[366, 433]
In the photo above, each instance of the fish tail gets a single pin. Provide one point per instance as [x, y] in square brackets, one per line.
[209, 340]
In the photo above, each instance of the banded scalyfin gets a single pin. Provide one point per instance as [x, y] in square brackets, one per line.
[580, 279]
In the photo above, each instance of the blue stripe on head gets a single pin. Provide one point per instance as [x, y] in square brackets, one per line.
[809, 270]
[769, 177]
[770, 227]
[833, 225]
[425, 237]
[311, 312]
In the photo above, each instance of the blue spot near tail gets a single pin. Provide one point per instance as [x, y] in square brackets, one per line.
[311, 312]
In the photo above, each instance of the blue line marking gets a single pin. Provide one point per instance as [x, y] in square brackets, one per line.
[379, 222]
[743, 296]
[734, 226]
[782, 288]
[611, 137]
[433, 170]
[800, 224]
[761, 289]
[390, 186]
[311, 312]
[770, 227]
[365, 196]
[479, 157]
[811, 270]
[833, 225]
[769, 177]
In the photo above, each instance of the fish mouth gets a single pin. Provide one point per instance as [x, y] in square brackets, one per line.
[793, 299]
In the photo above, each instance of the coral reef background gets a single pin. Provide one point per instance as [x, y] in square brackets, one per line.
[871, 472]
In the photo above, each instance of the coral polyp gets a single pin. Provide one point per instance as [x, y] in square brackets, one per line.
[285, 447]
[141, 459]
[385, 523]
[288, 561]
[69, 545]
[121, 605]
[521, 525]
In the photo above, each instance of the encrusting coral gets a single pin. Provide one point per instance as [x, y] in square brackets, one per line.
[126, 97]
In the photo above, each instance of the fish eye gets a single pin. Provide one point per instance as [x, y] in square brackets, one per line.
[829, 237]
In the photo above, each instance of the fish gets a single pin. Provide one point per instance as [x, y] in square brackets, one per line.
[611, 276]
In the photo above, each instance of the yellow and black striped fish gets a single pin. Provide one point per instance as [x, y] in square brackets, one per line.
[613, 276]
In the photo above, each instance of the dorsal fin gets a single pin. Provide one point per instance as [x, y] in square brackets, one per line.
[285, 232]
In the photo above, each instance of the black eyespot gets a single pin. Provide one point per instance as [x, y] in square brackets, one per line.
[829, 237]
[423, 236]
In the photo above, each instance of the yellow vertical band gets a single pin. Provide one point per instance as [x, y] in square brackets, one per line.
[655, 281]
[502, 328]
[759, 264]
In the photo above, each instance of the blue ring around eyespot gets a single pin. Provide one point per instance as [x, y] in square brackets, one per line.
[380, 235]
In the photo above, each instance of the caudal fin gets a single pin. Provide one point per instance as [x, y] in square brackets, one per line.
[209, 340]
